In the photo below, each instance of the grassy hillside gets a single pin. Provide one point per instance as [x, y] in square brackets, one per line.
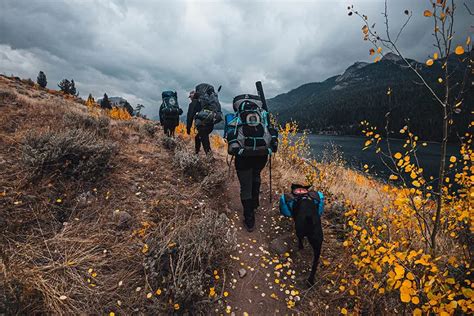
[103, 215]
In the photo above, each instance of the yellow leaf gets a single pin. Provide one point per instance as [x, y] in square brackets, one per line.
[393, 177]
[427, 13]
[452, 159]
[435, 56]
[226, 294]
[429, 62]
[415, 300]
[365, 29]
[344, 311]
[459, 50]
[410, 276]
[176, 306]
[111, 314]
[397, 156]
[405, 297]
[149, 295]
[416, 183]
[145, 248]
[417, 312]
[158, 292]
[371, 51]
[399, 271]
[379, 50]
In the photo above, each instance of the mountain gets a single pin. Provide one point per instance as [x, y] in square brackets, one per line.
[339, 103]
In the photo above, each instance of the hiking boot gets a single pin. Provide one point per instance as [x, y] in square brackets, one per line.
[248, 227]
[249, 214]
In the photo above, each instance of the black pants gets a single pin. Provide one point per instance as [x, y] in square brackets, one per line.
[248, 171]
[202, 137]
[169, 130]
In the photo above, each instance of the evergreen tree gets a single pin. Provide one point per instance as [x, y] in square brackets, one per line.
[65, 86]
[41, 80]
[105, 103]
[138, 108]
[72, 89]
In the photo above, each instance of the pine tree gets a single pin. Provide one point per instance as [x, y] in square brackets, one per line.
[72, 89]
[41, 80]
[105, 103]
[65, 86]
[138, 109]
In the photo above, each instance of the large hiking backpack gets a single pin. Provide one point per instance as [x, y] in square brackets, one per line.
[288, 202]
[248, 131]
[211, 112]
[170, 108]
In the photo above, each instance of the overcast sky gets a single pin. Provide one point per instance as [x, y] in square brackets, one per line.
[137, 48]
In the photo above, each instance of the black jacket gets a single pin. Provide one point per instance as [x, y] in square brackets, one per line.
[194, 108]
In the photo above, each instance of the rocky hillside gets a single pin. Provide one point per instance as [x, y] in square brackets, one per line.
[361, 94]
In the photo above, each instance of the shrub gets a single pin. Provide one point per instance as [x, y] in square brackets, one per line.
[169, 143]
[6, 96]
[100, 125]
[184, 260]
[148, 129]
[74, 153]
[214, 181]
[190, 164]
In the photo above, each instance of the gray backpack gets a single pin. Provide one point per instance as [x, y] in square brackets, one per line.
[211, 112]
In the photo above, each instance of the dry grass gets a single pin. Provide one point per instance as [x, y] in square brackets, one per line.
[63, 249]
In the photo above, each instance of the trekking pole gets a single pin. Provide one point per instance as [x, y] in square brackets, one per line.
[270, 165]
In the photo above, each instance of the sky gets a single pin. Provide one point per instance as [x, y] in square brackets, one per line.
[137, 48]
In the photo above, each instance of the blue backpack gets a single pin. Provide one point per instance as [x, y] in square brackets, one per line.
[248, 131]
[287, 202]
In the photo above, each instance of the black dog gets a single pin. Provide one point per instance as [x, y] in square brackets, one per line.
[307, 222]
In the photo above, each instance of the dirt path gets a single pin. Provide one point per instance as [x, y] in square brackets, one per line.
[269, 286]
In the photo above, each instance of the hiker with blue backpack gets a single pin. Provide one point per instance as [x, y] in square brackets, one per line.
[251, 139]
[169, 112]
[204, 111]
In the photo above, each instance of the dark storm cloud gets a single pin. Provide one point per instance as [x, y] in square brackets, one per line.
[136, 49]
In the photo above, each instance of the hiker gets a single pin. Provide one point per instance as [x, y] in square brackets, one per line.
[205, 111]
[169, 112]
[251, 139]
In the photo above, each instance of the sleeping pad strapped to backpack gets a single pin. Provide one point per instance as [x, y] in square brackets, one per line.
[248, 131]
[169, 108]
[288, 202]
[211, 112]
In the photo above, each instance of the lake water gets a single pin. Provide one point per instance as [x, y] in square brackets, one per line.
[355, 157]
[351, 148]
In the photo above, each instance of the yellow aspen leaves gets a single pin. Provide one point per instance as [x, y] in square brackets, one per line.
[393, 177]
[399, 272]
[397, 155]
[145, 248]
[379, 50]
[149, 295]
[452, 159]
[417, 312]
[435, 56]
[365, 29]
[111, 314]
[176, 306]
[459, 50]
[416, 183]
[344, 311]
[158, 292]
[440, 80]
[429, 62]
[427, 13]
[371, 51]
[226, 294]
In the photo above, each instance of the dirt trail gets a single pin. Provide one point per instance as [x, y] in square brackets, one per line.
[270, 281]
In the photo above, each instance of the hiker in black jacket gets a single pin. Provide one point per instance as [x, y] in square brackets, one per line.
[203, 131]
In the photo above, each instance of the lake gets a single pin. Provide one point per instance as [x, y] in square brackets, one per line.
[355, 157]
